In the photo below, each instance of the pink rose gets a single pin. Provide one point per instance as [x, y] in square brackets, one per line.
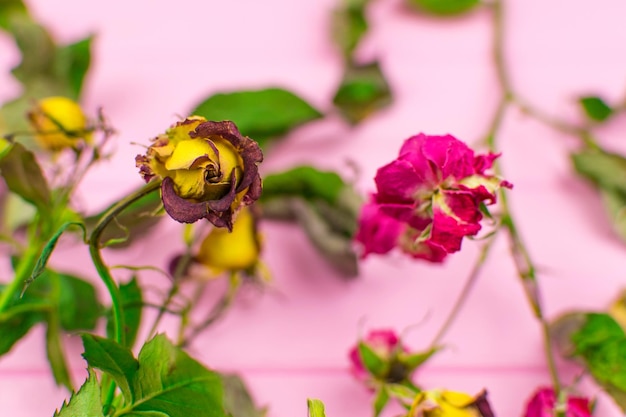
[543, 402]
[428, 199]
[385, 343]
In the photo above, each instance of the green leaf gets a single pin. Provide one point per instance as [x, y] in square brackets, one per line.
[170, 382]
[135, 221]
[54, 69]
[595, 108]
[18, 320]
[415, 360]
[444, 7]
[131, 298]
[86, 402]
[598, 329]
[112, 358]
[40, 266]
[315, 407]
[601, 343]
[79, 308]
[72, 63]
[349, 25]
[237, 399]
[323, 205]
[34, 68]
[381, 400]
[303, 181]
[605, 169]
[24, 177]
[615, 204]
[362, 91]
[8, 10]
[262, 115]
[337, 248]
[54, 351]
[374, 364]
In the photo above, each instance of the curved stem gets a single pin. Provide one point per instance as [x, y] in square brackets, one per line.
[463, 295]
[103, 270]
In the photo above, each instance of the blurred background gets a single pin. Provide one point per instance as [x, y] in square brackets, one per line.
[154, 62]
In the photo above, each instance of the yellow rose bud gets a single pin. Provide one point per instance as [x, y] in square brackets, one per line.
[59, 123]
[443, 403]
[231, 251]
[209, 170]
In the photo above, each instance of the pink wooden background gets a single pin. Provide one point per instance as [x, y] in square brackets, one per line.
[155, 59]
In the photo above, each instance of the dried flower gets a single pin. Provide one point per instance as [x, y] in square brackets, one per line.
[543, 402]
[443, 403]
[428, 199]
[59, 123]
[209, 170]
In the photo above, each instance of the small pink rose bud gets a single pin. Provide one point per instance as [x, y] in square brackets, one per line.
[377, 358]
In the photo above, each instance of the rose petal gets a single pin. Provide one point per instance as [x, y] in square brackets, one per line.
[398, 182]
[377, 232]
[462, 205]
[180, 209]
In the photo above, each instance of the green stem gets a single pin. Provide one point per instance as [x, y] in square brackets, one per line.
[523, 262]
[463, 295]
[104, 273]
[527, 272]
[22, 273]
[114, 291]
[96, 257]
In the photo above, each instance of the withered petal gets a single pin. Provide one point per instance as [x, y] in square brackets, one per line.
[483, 405]
[248, 150]
[225, 202]
[180, 209]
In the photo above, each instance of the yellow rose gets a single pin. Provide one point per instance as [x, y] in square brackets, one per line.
[59, 123]
[208, 169]
[238, 250]
[443, 403]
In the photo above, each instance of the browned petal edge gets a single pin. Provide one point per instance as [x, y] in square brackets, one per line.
[186, 211]
[482, 404]
[247, 148]
[143, 163]
[180, 209]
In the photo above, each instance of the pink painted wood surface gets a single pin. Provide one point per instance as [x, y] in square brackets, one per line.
[154, 60]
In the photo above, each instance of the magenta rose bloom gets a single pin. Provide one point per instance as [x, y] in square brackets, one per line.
[543, 402]
[428, 199]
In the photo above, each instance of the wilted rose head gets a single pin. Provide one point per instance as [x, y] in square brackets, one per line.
[428, 199]
[543, 402]
[444, 403]
[59, 123]
[209, 170]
